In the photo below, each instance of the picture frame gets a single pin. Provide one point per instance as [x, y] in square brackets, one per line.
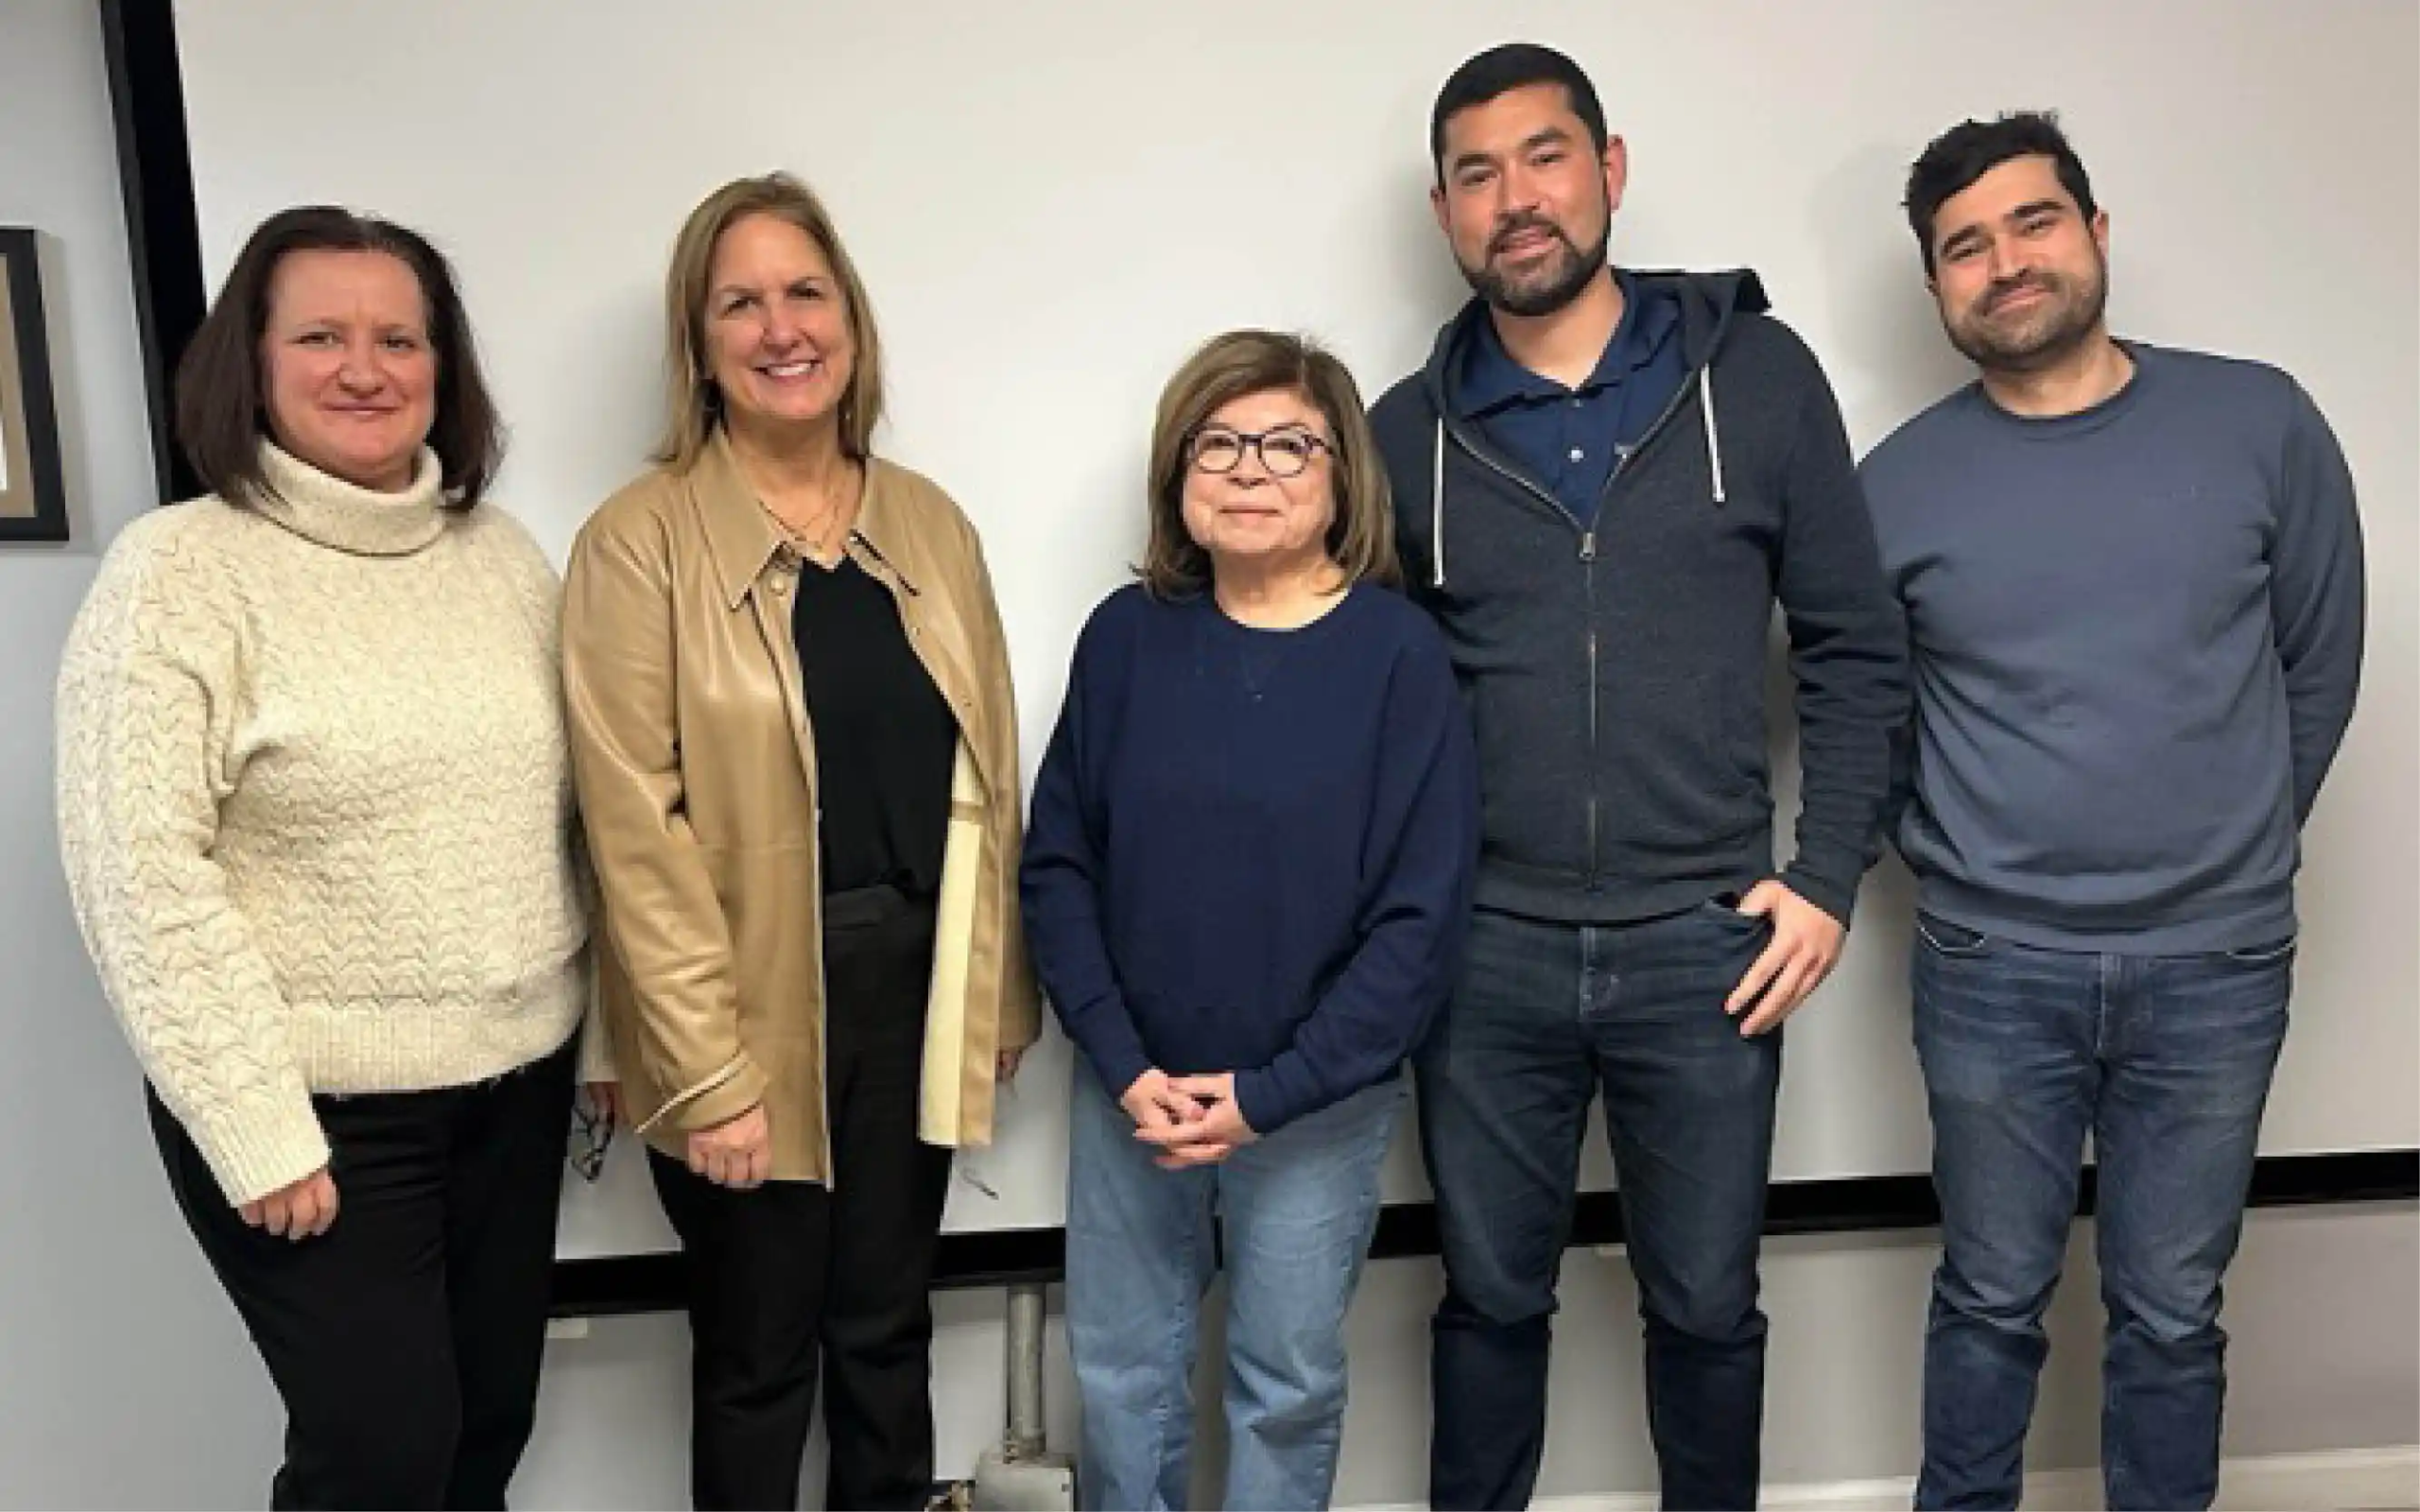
[33, 500]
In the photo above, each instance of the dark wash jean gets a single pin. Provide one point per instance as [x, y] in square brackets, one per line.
[1546, 1017]
[2167, 1061]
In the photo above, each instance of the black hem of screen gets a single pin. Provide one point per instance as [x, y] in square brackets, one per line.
[1860, 1205]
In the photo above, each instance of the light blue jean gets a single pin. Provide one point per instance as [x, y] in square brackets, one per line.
[1295, 1212]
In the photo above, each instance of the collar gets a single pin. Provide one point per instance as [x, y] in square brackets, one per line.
[325, 509]
[1492, 379]
[743, 539]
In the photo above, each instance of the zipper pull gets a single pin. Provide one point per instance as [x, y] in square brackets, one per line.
[1588, 546]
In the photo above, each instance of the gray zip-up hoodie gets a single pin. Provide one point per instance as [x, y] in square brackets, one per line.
[1615, 667]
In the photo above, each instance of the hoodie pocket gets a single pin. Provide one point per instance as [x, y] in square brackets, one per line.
[1681, 769]
[1534, 772]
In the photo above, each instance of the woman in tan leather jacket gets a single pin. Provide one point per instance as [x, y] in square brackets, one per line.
[796, 751]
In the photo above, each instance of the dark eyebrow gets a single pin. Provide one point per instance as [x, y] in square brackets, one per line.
[2037, 207]
[1548, 136]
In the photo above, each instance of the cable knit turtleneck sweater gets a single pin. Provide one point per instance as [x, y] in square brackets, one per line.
[315, 809]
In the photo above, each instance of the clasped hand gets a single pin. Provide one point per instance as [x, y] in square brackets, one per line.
[1191, 1121]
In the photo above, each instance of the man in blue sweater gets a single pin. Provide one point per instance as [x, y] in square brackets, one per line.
[2132, 584]
[1604, 479]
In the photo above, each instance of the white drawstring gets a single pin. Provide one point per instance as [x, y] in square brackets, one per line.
[1437, 474]
[1437, 509]
[1713, 435]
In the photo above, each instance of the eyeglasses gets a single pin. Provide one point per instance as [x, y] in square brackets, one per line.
[592, 1136]
[1286, 451]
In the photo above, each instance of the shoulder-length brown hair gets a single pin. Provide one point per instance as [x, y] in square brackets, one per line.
[1361, 538]
[222, 388]
[694, 407]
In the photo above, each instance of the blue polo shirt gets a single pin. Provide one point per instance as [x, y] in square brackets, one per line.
[1569, 440]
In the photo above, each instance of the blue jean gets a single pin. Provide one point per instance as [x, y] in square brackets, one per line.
[2167, 1061]
[1296, 1210]
[1545, 1015]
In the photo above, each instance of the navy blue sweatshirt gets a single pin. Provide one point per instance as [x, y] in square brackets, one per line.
[1251, 851]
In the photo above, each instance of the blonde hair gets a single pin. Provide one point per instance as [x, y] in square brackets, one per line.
[1360, 538]
[693, 405]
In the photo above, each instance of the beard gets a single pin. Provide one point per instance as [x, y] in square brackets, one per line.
[1546, 288]
[2062, 320]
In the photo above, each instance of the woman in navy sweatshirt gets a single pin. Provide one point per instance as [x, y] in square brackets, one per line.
[1245, 886]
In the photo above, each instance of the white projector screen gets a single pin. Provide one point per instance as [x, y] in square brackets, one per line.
[1054, 202]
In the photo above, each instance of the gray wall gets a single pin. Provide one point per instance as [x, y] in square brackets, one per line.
[125, 1381]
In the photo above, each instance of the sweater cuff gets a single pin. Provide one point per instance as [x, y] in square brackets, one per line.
[262, 1150]
[1105, 1034]
[1816, 885]
[1264, 1103]
[1117, 1066]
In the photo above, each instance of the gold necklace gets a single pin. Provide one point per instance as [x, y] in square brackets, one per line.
[814, 543]
[817, 543]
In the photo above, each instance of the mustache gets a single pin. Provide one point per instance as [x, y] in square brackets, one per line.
[2000, 294]
[1516, 225]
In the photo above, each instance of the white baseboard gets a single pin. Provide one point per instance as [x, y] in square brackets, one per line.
[2330, 1481]
[2357, 1478]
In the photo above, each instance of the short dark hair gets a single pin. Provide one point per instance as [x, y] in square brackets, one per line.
[1970, 149]
[1503, 69]
[222, 389]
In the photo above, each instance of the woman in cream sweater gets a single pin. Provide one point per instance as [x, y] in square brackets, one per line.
[318, 825]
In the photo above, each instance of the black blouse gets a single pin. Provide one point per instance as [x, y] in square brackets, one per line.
[885, 740]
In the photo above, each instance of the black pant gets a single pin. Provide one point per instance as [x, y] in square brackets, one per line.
[404, 1341]
[793, 1270]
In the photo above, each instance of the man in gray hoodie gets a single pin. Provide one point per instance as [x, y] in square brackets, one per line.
[1603, 480]
[2132, 583]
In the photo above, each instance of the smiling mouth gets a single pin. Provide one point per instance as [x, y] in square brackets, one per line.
[791, 372]
[1524, 243]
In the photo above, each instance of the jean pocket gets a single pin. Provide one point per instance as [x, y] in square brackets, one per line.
[1725, 907]
[1956, 941]
[2274, 953]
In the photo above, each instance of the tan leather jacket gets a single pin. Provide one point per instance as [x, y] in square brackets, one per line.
[695, 769]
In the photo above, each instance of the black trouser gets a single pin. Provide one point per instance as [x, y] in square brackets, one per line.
[406, 1340]
[793, 1270]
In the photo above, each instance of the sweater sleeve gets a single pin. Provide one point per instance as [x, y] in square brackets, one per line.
[149, 696]
[2316, 597]
[1062, 878]
[662, 916]
[1848, 656]
[1420, 857]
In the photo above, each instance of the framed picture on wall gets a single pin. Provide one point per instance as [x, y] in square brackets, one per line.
[33, 503]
